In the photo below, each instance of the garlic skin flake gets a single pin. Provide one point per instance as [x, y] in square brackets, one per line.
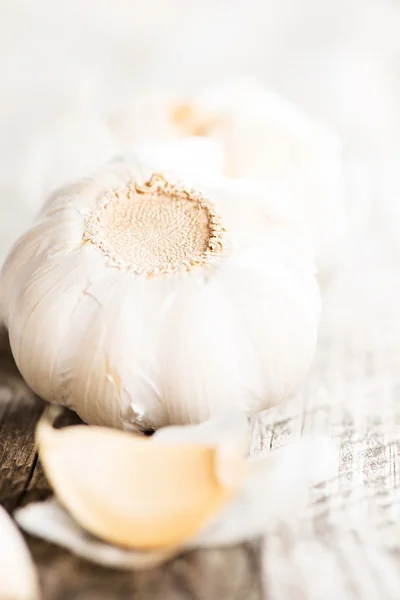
[135, 491]
[139, 301]
[18, 578]
[50, 521]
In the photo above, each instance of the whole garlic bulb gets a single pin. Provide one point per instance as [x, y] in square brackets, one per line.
[264, 136]
[140, 301]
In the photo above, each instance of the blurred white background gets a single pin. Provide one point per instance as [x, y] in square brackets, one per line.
[338, 59]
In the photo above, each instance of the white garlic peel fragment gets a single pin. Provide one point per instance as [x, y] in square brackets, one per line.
[143, 309]
[261, 136]
[50, 521]
[18, 578]
[274, 491]
[135, 491]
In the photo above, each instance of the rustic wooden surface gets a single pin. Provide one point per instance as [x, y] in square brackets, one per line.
[346, 545]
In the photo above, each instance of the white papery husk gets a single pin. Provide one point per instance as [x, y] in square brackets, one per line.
[262, 136]
[132, 352]
[275, 490]
[18, 578]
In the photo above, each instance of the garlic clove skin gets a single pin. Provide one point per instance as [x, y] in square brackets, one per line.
[50, 521]
[288, 471]
[133, 491]
[18, 578]
[139, 351]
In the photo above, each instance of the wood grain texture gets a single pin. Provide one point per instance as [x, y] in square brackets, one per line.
[19, 412]
[232, 573]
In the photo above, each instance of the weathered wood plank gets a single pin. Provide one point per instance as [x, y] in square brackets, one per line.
[38, 487]
[232, 574]
[19, 412]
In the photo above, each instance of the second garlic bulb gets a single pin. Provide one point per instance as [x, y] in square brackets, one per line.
[264, 137]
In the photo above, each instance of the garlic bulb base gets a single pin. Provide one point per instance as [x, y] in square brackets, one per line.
[156, 228]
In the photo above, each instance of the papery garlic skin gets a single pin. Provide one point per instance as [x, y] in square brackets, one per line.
[133, 350]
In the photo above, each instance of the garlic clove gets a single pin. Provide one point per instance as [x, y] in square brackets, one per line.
[286, 314]
[274, 493]
[132, 491]
[229, 366]
[18, 579]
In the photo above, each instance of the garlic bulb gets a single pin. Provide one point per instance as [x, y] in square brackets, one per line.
[262, 136]
[140, 301]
